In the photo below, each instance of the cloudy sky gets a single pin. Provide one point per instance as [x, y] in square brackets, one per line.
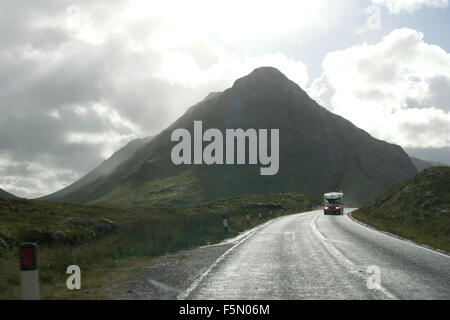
[79, 79]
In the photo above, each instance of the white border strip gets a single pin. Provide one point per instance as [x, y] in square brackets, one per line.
[341, 258]
[184, 295]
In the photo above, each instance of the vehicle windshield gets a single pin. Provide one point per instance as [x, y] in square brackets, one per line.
[332, 201]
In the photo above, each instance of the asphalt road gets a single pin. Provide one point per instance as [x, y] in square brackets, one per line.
[313, 256]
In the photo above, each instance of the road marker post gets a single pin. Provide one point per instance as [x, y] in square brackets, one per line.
[225, 223]
[29, 273]
[260, 215]
[270, 212]
[247, 217]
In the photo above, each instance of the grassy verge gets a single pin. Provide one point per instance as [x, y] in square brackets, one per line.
[107, 242]
[418, 209]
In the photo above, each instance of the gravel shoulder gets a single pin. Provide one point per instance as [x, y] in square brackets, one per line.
[166, 276]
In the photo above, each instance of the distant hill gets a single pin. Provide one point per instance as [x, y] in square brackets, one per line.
[424, 164]
[6, 195]
[418, 209]
[319, 151]
[105, 168]
[440, 155]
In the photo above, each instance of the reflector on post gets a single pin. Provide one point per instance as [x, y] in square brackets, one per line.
[28, 256]
[29, 275]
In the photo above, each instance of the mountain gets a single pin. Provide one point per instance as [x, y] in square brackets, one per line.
[6, 195]
[319, 151]
[105, 168]
[440, 155]
[424, 164]
[418, 209]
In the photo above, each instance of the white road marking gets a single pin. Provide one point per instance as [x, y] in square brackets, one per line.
[350, 266]
[197, 281]
[163, 286]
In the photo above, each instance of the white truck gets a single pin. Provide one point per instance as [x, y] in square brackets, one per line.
[333, 203]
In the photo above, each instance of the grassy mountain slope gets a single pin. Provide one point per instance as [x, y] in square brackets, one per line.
[100, 239]
[6, 195]
[424, 164]
[418, 209]
[319, 151]
[105, 168]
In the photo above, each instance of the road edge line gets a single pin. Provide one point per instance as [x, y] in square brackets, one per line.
[350, 266]
[194, 285]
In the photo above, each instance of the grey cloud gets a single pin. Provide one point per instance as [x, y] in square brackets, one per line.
[202, 55]
[44, 69]
[150, 102]
[433, 128]
[383, 67]
[35, 183]
[21, 22]
[438, 95]
[372, 94]
[377, 71]
[439, 88]
[17, 169]
[323, 91]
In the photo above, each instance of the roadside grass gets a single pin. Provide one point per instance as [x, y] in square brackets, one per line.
[418, 209]
[106, 243]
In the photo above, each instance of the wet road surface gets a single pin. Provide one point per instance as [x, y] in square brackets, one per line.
[313, 256]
